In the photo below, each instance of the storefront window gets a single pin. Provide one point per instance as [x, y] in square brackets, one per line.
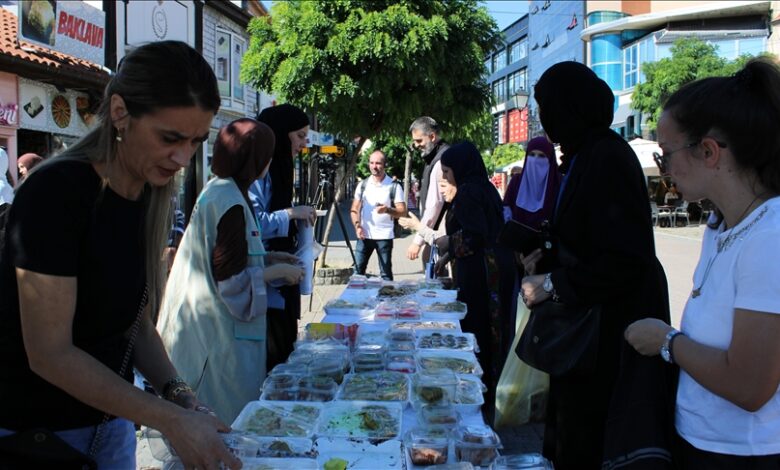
[230, 50]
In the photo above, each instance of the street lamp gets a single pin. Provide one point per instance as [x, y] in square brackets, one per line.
[519, 100]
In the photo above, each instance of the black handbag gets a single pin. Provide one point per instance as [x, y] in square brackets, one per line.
[561, 340]
[41, 448]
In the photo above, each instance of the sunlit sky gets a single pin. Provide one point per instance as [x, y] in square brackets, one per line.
[504, 12]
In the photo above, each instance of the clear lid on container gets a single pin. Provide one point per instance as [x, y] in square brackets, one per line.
[438, 415]
[426, 434]
[400, 361]
[295, 368]
[433, 388]
[531, 461]
[264, 463]
[371, 337]
[425, 325]
[477, 435]
[400, 335]
[278, 381]
[443, 339]
[285, 447]
[385, 386]
[241, 444]
[469, 390]
[318, 383]
[401, 346]
[452, 466]
[338, 331]
[460, 362]
[278, 418]
[361, 419]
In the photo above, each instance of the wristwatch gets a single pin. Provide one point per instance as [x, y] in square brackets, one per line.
[666, 348]
[548, 287]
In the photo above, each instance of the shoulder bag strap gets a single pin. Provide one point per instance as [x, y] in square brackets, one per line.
[125, 362]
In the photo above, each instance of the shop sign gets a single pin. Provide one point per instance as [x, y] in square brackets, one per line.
[70, 27]
[48, 109]
[157, 21]
[8, 114]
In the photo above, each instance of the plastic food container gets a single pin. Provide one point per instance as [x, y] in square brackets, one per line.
[532, 461]
[448, 340]
[477, 445]
[319, 331]
[317, 389]
[295, 368]
[385, 311]
[241, 445]
[409, 310]
[282, 387]
[425, 325]
[357, 281]
[285, 447]
[400, 361]
[359, 454]
[469, 394]
[261, 463]
[370, 337]
[400, 335]
[368, 361]
[427, 445]
[346, 307]
[383, 386]
[452, 466]
[331, 367]
[460, 362]
[407, 346]
[361, 419]
[433, 388]
[447, 311]
[439, 415]
[278, 419]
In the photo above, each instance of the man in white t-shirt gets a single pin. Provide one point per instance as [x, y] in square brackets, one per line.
[378, 201]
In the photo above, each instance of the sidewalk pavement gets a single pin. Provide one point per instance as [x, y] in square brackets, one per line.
[677, 249]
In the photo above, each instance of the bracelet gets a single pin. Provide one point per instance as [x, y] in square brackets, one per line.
[174, 387]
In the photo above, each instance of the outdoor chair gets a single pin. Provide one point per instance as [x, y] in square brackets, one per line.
[660, 214]
[681, 212]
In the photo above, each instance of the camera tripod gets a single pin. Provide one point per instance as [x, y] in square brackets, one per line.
[324, 194]
[320, 202]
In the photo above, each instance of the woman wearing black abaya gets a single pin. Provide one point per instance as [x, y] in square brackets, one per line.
[620, 413]
[271, 198]
[473, 224]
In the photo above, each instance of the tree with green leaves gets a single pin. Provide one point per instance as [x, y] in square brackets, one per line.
[504, 155]
[370, 67]
[691, 60]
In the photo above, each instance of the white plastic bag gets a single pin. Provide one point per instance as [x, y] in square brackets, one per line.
[521, 395]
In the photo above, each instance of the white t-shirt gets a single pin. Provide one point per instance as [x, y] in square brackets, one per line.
[377, 226]
[743, 275]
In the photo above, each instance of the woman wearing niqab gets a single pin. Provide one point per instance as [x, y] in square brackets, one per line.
[619, 414]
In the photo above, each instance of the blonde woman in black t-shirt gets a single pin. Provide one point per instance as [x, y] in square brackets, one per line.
[84, 237]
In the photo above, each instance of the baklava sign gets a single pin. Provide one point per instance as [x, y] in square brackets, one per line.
[70, 27]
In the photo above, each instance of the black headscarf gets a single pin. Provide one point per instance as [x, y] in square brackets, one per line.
[477, 205]
[283, 119]
[574, 104]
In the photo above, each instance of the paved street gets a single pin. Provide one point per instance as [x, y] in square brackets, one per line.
[677, 248]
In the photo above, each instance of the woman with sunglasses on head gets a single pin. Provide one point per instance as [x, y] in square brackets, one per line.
[720, 142]
[73, 318]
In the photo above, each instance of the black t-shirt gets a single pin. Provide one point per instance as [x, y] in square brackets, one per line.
[64, 222]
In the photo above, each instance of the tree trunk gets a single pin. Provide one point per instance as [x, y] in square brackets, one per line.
[408, 175]
[340, 189]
